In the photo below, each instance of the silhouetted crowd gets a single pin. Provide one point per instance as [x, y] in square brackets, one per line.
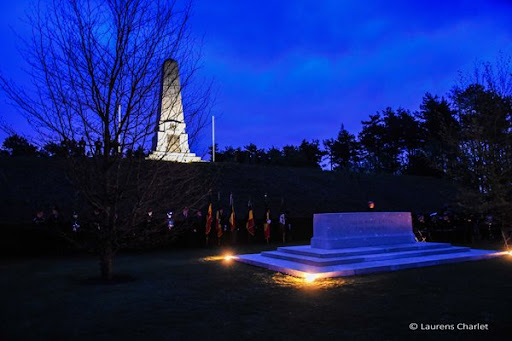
[197, 228]
[189, 226]
[447, 225]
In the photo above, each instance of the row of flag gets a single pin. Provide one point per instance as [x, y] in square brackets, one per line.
[249, 225]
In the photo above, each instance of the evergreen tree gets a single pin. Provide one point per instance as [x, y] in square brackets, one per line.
[439, 131]
[342, 151]
[17, 145]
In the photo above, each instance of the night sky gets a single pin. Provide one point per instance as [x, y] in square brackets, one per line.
[288, 70]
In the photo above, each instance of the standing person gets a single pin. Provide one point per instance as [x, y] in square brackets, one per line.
[76, 224]
[81, 147]
[149, 218]
[170, 220]
[371, 206]
[282, 226]
[39, 219]
[420, 228]
[488, 227]
[184, 226]
[197, 229]
[185, 213]
[148, 224]
[55, 219]
[97, 147]
[94, 224]
[468, 228]
[232, 221]
[266, 225]
[226, 230]
[209, 220]
[289, 225]
[218, 221]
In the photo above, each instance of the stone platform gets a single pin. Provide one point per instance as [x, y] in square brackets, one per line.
[346, 244]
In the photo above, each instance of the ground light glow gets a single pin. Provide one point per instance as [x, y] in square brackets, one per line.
[320, 283]
[213, 258]
[229, 257]
[310, 278]
[506, 253]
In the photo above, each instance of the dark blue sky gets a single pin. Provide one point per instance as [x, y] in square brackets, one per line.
[288, 70]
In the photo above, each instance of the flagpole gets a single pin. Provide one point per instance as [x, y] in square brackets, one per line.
[213, 138]
[119, 128]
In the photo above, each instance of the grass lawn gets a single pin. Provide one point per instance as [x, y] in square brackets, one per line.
[189, 295]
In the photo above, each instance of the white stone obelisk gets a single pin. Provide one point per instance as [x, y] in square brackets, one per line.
[170, 142]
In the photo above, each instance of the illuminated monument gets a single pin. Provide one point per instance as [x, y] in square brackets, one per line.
[170, 142]
[346, 244]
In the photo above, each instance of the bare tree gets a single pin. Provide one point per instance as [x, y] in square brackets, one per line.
[96, 72]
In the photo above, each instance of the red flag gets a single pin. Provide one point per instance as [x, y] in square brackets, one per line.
[232, 218]
[209, 220]
[250, 222]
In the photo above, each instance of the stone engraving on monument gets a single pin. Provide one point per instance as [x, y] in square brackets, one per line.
[170, 142]
[339, 230]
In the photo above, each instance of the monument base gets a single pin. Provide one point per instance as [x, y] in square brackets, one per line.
[347, 244]
[174, 157]
[301, 260]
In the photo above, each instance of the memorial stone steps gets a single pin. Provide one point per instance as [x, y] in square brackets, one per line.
[300, 269]
[307, 250]
[347, 244]
[362, 257]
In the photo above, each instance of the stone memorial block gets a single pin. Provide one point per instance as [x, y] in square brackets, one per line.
[344, 230]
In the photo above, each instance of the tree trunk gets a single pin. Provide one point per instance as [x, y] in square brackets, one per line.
[106, 258]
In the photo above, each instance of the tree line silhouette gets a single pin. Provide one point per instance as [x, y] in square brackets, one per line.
[432, 141]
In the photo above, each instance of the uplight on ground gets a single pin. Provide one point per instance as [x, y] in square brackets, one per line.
[310, 278]
[299, 282]
[229, 257]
